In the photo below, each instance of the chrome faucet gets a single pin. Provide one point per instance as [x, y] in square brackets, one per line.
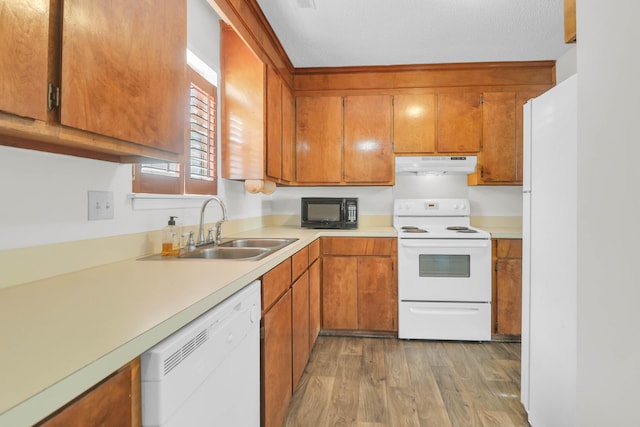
[201, 240]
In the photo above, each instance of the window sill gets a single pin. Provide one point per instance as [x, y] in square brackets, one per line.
[147, 201]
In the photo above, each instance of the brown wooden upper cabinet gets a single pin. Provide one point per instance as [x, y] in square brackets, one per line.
[459, 123]
[368, 156]
[344, 140]
[319, 139]
[570, 35]
[500, 161]
[443, 123]
[280, 128]
[414, 123]
[242, 112]
[122, 93]
[254, 94]
[24, 30]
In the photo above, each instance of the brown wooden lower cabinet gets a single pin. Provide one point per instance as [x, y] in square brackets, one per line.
[377, 294]
[507, 286]
[114, 402]
[359, 284]
[290, 325]
[276, 362]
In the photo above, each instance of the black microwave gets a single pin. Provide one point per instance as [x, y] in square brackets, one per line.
[329, 212]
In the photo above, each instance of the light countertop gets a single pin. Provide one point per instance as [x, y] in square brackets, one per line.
[63, 334]
[500, 227]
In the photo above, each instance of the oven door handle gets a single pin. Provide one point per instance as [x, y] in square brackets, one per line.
[453, 243]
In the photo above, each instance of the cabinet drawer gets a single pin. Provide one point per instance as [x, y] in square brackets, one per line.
[358, 245]
[275, 283]
[509, 248]
[299, 262]
[314, 251]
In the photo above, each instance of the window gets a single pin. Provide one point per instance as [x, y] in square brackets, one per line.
[198, 175]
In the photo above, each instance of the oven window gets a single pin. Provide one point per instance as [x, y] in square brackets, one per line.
[323, 212]
[445, 265]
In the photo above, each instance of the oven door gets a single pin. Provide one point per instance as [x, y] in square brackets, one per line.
[444, 270]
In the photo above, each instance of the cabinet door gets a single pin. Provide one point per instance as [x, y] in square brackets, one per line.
[459, 125]
[414, 124]
[508, 280]
[314, 303]
[300, 324]
[124, 70]
[274, 124]
[499, 150]
[288, 134]
[368, 156]
[276, 362]
[113, 403]
[24, 31]
[319, 139]
[339, 292]
[570, 21]
[242, 112]
[377, 294]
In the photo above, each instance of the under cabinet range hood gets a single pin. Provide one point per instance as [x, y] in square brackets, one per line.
[436, 165]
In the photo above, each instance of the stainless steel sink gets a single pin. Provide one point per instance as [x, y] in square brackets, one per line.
[235, 249]
[258, 243]
[217, 252]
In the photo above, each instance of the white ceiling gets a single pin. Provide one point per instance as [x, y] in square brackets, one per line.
[340, 33]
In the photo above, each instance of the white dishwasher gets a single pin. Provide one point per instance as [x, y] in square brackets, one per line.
[208, 372]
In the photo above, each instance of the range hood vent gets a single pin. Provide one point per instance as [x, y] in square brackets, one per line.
[436, 165]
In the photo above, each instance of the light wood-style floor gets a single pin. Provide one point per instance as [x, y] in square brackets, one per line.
[369, 382]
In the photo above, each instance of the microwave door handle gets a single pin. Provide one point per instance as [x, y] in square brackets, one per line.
[426, 243]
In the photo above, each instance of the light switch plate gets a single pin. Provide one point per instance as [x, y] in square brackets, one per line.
[100, 205]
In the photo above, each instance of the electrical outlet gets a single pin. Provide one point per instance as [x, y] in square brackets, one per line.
[100, 205]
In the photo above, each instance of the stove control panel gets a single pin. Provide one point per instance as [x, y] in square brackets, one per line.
[431, 207]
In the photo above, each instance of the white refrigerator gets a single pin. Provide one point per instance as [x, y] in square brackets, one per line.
[549, 275]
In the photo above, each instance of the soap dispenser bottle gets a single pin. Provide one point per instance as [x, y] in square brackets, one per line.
[171, 238]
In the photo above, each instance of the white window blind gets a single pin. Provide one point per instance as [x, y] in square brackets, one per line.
[202, 135]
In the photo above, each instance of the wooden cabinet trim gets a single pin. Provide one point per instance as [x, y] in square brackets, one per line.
[312, 81]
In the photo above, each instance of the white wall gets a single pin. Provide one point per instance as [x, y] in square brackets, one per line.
[567, 64]
[608, 381]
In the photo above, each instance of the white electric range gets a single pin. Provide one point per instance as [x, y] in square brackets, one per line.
[444, 271]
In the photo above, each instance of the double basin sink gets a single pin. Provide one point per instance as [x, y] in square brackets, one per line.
[239, 249]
